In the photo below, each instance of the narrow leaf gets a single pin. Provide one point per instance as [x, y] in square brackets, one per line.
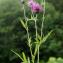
[23, 24]
[24, 57]
[36, 48]
[28, 60]
[17, 55]
[46, 37]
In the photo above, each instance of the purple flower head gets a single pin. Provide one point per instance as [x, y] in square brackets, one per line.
[35, 7]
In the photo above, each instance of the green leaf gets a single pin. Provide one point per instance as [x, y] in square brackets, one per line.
[59, 60]
[46, 37]
[17, 55]
[29, 42]
[37, 43]
[52, 60]
[39, 37]
[28, 60]
[24, 57]
[23, 23]
[36, 48]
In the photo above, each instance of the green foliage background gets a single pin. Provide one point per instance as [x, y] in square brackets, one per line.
[13, 35]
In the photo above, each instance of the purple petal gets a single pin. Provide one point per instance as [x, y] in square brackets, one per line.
[35, 7]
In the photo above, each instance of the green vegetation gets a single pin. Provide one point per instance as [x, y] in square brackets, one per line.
[13, 35]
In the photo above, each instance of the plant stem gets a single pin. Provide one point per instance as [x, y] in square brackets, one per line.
[36, 38]
[27, 29]
[24, 12]
[42, 25]
[38, 55]
[36, 26]
[28, 38]
[26, 22]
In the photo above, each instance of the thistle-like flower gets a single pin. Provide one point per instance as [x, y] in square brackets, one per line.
[35, 7]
